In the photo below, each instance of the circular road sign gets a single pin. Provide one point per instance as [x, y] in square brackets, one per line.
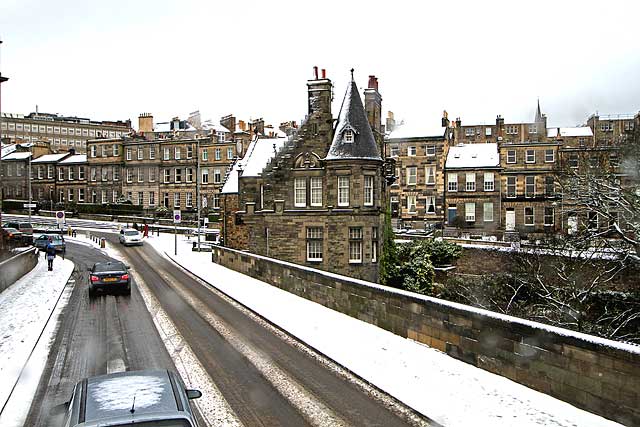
[60, 214]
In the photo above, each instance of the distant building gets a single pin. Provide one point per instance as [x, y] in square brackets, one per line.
[62, 133]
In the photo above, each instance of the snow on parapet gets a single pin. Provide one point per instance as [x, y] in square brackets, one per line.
[574, 131]
[413, 130]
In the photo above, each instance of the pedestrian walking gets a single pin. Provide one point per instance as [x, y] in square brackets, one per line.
[50, 252]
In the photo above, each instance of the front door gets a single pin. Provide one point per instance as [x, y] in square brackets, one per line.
[452, 212]
[510, 219]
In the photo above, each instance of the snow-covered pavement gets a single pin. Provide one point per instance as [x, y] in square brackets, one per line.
[25, 308]
[447, 390]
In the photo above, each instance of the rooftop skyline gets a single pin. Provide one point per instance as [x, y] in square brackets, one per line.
[113, 61]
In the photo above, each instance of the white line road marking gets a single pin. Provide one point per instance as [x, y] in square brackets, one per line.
[213, 407]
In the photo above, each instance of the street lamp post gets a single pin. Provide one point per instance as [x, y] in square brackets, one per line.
[198, 206]
[2, 80]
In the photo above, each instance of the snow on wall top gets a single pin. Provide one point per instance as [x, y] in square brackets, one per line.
[574, 131]
[473, 156]
[416, 130]
[260, 151]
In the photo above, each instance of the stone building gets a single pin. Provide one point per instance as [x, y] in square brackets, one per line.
[60, 132]
[71, 179]
[473, 193]
[316, 198]
[47, 177]
[15, 178]
[105, 162]
[417, 196]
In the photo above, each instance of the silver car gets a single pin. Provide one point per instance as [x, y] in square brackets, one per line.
[135, 398]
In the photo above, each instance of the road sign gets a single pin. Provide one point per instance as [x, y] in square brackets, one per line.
[60, 217]
[177, 216]
[30, 205]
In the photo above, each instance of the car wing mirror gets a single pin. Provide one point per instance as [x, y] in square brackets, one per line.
[59, 409]
[193, 394]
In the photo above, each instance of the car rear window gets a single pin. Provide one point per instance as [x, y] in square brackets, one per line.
[131, 233]
[104, 266]
[25, 225]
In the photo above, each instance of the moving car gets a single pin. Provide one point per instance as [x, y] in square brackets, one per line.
[24, 227]
[109, 276]
[134, 398]
[56, 240]
[14, 236]
[130, 236]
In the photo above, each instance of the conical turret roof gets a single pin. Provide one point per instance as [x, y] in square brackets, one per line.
[360, 143]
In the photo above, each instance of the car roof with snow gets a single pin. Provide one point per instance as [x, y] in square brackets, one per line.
[116, 395]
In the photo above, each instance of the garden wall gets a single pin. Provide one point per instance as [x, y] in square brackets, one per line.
[598, 375]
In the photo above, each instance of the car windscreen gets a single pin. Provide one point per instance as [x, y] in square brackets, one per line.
[131, 233]
[103, 267]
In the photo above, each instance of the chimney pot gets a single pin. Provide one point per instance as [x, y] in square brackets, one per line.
[324, 73]
[315, 72]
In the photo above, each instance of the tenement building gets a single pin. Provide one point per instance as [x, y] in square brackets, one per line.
[417, 196]
[316, 198]
[60, 132]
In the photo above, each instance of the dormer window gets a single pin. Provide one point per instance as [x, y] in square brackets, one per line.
[348, 136]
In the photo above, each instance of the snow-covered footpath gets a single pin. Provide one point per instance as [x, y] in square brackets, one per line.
[25, 308]
[447, 390]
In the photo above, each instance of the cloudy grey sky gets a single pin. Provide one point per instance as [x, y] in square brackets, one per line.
[110, 60]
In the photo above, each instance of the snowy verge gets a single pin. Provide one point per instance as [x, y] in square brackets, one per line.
[446, 390]
[25, 309]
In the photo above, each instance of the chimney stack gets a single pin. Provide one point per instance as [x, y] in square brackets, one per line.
[319, 93]
[145, 123]
[445, 119]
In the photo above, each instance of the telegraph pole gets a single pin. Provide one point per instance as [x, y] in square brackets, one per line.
[198, 206]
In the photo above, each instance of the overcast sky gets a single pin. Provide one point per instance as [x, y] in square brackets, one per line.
[111, 60]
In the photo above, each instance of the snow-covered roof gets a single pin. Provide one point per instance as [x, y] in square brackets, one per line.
[274, 131]
[260, 151]
[574, 131]
[47, 158]
[166, 127]
[76, 158]
[417, 130]
[473, 156]
[8, 149]
[17, 155]
[216, 127]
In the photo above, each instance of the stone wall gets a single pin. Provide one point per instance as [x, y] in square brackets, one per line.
[17, 266]
[598, 375]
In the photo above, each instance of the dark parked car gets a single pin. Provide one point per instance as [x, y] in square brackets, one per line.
[136, 398]
[109, 276]
[56, 240]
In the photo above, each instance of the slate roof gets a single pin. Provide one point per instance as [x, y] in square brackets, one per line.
[417, 130]
[353, 117]
[574, 131]
[258, 154]
[47, 158]
[76, 158]
[473, 156]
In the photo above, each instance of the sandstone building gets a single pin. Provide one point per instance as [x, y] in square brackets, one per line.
[315, 198]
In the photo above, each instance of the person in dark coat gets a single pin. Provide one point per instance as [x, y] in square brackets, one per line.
[51, 254]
